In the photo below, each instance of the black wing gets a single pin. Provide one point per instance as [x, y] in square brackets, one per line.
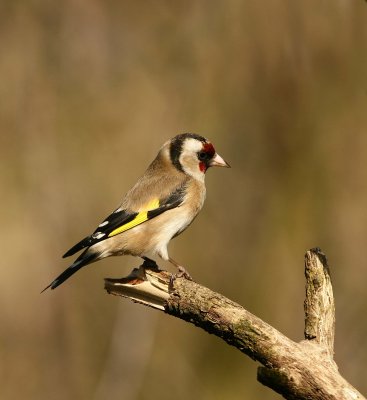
[121, 220]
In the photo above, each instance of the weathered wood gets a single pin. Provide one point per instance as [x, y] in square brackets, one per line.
[145, 286]
[319, 302]
[303, 370]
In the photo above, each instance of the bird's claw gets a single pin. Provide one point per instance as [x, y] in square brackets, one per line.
[150, 264]
[182, 273]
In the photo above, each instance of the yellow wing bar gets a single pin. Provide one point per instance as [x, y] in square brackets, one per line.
[139, 219]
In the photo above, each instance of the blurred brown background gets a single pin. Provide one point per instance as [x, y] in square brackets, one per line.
[89, 92]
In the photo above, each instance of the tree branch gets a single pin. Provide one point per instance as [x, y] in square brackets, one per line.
[303, 370]
[319, 303]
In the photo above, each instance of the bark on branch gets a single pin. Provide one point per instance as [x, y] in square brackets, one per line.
[304, 370]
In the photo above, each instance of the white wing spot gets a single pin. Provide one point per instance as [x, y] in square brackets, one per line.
[118, 210]
[102, 224]
[98, 235]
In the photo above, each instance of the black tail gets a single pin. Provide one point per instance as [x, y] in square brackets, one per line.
[86, 242]
[80, 262]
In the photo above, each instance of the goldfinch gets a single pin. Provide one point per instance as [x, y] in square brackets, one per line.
[160, 206]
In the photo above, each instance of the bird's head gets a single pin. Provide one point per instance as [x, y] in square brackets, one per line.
[194, 154]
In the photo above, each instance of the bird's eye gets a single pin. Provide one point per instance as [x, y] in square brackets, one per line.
[202, 155]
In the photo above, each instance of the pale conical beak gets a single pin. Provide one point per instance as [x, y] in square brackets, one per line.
[217, 161]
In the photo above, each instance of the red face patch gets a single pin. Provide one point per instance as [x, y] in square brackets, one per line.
[209, 149]
[205, 155]
[202, 166]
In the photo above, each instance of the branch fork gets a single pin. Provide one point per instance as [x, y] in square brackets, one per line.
[304, 370]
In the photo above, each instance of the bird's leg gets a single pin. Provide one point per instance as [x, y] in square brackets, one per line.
[149, 263]
[182, 272]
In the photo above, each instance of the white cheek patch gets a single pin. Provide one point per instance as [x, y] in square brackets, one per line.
[189, 159]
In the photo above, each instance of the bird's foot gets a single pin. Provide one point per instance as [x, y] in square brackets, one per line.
[150, 264]
[182, 273]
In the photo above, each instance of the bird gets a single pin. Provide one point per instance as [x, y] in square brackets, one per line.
[161, 205]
